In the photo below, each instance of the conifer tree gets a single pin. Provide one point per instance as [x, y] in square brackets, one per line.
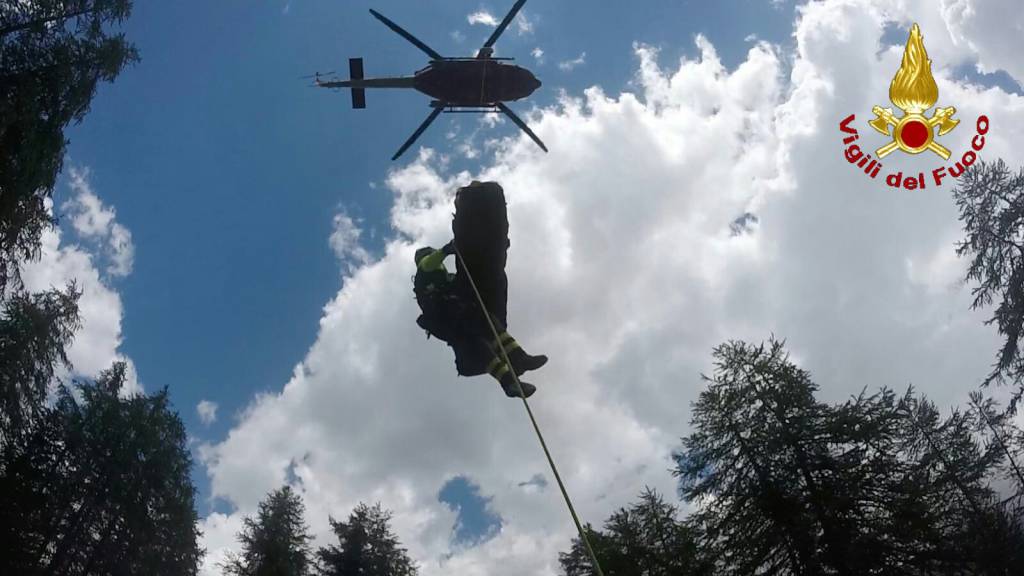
[645, 539]
[101, 484]
[784, 484]
[990, 198]
[53, 54]
[276, 541]
[35, 330]
[366, 547]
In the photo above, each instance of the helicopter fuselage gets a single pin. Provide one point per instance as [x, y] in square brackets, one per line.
[475, 82]
[458, 82]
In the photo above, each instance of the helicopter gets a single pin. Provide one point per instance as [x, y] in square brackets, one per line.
[479, 84]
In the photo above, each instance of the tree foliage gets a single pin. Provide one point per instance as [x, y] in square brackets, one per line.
[991, 202]
[53, 54]
[366, 547]
[784, 484]
[276, 541]
[35, 330]
[646, 539]
[100, 485]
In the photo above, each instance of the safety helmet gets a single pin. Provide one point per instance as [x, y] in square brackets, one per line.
[423, 253]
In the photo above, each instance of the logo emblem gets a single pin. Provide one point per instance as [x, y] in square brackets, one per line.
[913, 90]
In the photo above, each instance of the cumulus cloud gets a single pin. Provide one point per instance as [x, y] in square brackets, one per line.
[568, 65]
[344, 240]
[482, 17]
[991, 30]
[538, 55]
[96, 344]
[97, 223]
[219, 534]
[207, 411]
[709, 204]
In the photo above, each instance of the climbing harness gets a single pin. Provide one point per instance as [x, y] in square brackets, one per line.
[536, 428]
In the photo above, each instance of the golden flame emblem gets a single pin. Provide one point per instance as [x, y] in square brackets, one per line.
[913, 90]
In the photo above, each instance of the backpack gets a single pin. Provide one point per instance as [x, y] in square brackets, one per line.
[436, 306]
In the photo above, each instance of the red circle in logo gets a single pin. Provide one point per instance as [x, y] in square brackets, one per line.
[914, 134]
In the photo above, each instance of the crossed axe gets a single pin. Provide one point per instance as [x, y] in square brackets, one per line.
[943, 118]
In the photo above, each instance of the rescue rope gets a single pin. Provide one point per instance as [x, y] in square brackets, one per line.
[536, 428]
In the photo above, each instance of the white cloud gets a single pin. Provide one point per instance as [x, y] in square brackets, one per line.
[624, 269]
[344, 240]
[991, 30]
[219, 538]
[207, 411]
[482, 17]
[468, 149]
[122, 250]
[96, 344]
[524, 24]
[458, 36]
[95, 222]
[90, 217]
[538, 55]
[568, 65]
[490, 120]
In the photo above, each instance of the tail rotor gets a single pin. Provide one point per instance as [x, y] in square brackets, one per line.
[318, 78]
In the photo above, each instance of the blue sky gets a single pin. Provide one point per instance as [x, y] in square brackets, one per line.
[228, 168]
[229, 172]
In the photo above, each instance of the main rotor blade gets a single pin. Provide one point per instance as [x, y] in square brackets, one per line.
[504, 24]
[437, 111]
[401, 32]
[522, 125]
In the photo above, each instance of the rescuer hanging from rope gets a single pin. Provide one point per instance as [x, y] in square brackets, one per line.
[456, 307]
[455, 318]
[468, 309]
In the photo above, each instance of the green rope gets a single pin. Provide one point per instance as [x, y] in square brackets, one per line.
[543, 444]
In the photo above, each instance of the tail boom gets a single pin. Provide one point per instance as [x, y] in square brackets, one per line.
[396, 82]
[358, 84]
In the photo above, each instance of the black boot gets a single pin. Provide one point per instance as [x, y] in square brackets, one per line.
[523, 362]
[508, 384]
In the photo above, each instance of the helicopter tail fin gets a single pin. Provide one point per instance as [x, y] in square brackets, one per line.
[355, 72]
